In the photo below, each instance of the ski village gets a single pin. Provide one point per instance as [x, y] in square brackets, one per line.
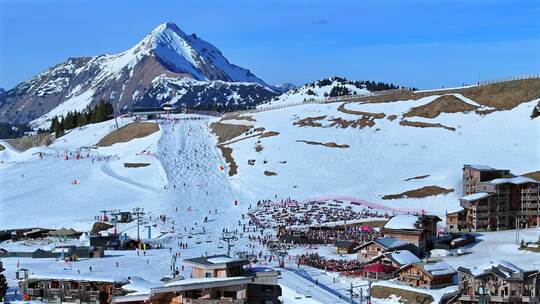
[165, 174]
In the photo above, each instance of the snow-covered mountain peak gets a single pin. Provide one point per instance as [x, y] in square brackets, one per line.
[190, 64]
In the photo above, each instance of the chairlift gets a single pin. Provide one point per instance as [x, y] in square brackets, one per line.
[297, 296]
[308, 292]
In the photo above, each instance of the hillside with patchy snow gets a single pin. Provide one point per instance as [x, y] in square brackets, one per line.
[167, 66]
[404, 154]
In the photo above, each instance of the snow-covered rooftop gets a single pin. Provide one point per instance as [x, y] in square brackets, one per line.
[203, 280]
[496, 264]
[405, 221]
[139, 286]
[220, 260]
[475, 196]
[404, 257]
[518, 180]
[74, 277]
[390, 242]
[480, 167]
[439, 268]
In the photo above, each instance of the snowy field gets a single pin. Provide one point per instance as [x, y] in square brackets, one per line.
[186, 183]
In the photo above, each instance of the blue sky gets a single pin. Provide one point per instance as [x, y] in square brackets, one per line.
[427, 44]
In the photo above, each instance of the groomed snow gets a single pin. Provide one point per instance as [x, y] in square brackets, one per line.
[405, 221]
[475, 196]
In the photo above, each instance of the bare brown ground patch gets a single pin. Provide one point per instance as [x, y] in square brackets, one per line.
[392, 117]
[365, 121]
[419, 193]
[128, 132]
[328, 144]
[227, 155]
[342, 109]
[416, 177]
[501, 96]
[420, 124]
[407, 296]
[310, 121]
[26, 142]
[226, 132]
[135, 165]
[534, 175]
[443, 104]
[270, 173]
[239, 117]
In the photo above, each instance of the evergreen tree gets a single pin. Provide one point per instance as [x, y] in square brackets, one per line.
[3, 283]
[535, 112]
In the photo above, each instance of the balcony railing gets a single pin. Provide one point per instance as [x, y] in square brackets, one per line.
[412, 276]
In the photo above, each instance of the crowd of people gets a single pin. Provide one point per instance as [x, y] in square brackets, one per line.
[315, 235]
[290, 212]
[346, 267]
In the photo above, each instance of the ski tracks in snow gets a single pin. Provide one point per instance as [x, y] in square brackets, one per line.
[197, 188]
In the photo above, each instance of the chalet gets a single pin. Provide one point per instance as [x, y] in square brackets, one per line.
[417, 230]
[214, 279]
[67, 252]
[345, 247]
[384, 266]
[397, 259]
[371, 249]
[378, 271]
[500, 282]
[217, 266]
[70, 288]
[427, 274]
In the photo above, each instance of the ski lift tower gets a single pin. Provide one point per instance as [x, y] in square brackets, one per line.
[104, 218]
[138, 212]
[114, 217]
[229, 237]
[281, 251]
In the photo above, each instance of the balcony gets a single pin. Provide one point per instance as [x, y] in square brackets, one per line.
[466, 298]
[412, 276]
[529, 212]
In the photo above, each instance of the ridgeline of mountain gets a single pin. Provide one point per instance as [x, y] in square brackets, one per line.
[167, 66]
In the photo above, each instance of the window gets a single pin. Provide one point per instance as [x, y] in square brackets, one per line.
[208, 274]
[229, 294]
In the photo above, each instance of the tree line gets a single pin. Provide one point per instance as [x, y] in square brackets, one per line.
[73, 119]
